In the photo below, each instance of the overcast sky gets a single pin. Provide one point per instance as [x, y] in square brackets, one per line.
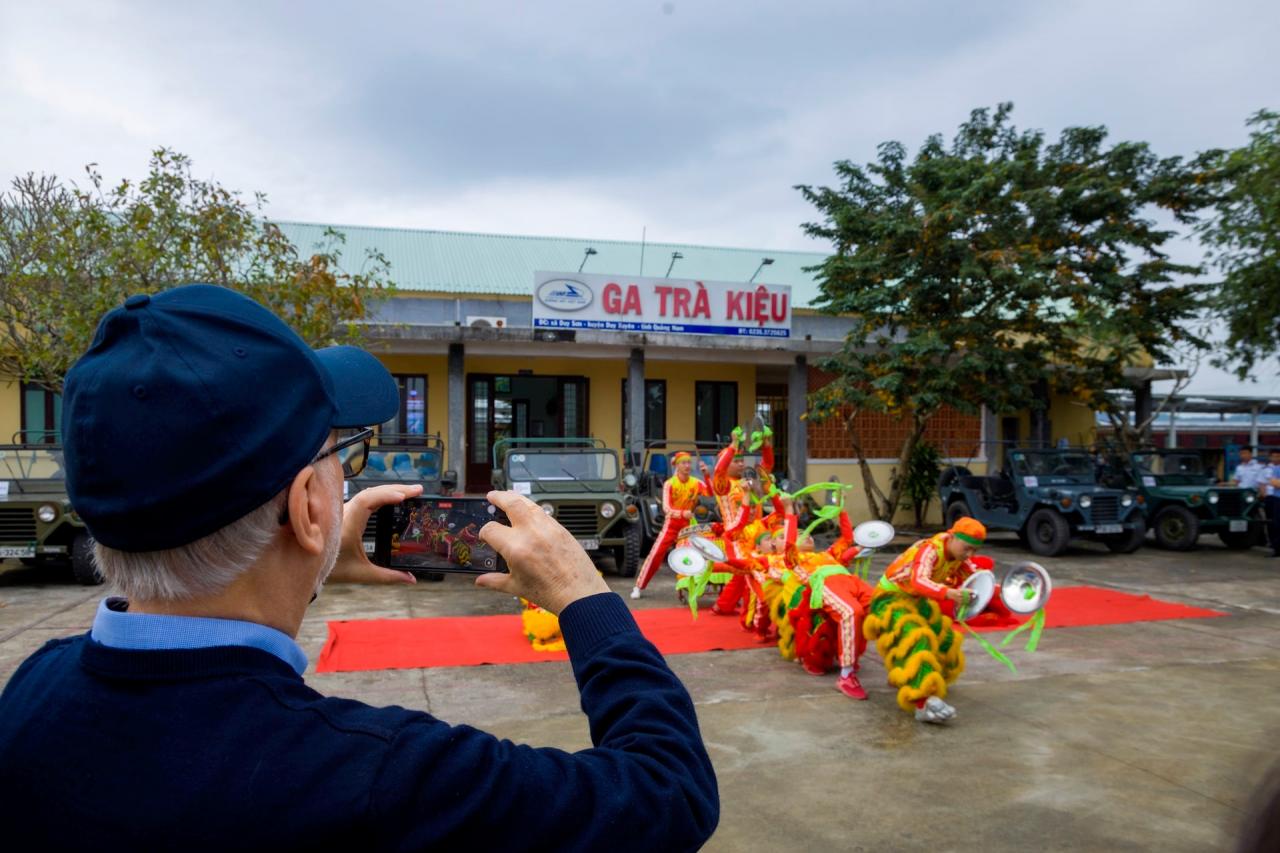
[597, 119]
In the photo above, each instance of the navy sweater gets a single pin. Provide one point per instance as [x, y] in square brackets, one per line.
[227, 749]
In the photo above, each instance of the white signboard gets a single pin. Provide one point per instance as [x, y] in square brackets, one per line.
[668, 305]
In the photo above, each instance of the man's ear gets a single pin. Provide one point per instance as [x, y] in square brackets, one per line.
[306, 508]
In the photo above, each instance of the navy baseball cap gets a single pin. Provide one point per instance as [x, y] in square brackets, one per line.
[195, 406]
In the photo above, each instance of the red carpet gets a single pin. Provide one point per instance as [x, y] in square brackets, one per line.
[473, 640]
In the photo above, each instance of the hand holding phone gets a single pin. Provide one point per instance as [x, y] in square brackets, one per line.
[547, 565]
[438, 535]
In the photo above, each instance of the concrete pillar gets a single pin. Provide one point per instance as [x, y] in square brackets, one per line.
[1172, 443]
[1142, 408]
[635, 405]
[797, 429]
[457, 451]
[989, 438]
[1253, 428]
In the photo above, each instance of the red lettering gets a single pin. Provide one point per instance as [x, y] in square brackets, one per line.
[758, 304]
[733, 305]
[681, 303]
[632, 304]
[662, 290]
[701, 304]
[610, 298]
[779, 303]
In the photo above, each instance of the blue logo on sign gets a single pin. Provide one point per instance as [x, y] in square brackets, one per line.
[565, 295]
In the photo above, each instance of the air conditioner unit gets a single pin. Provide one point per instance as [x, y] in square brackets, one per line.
[486, 322]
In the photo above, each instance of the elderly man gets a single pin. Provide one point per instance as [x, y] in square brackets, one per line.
[205, 454]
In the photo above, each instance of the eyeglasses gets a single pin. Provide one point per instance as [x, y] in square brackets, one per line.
[352, 451]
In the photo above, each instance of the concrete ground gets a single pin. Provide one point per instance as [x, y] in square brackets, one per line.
[1122, 737]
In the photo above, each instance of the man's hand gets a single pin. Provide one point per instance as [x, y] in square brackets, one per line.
[547, 565]
[702, 467]
[960, 596]
[353, 564]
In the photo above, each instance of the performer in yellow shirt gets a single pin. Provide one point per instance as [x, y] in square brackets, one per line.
[921, 650]
[679, 497]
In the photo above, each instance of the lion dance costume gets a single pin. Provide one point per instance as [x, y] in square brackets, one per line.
[921, 649]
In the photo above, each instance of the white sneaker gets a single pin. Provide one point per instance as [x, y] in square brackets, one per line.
[635, 592]
[935, 711]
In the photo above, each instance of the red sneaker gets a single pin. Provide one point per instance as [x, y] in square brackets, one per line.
[850, 686]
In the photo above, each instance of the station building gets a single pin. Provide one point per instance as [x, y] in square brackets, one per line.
[495, 335]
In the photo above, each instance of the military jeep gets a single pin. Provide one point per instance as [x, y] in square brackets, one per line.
[1181, 500]
[645, 480]
[576, 481]
[403, 459]
[1047, 497]
[37, 524]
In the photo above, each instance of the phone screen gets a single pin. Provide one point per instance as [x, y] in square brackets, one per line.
[438, 535]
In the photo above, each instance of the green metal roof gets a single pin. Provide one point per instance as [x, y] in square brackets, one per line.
[504, 264]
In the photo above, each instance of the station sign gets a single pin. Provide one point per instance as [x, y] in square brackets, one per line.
[666, 305]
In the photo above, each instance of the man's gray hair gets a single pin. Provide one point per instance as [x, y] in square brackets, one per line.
[204, 567]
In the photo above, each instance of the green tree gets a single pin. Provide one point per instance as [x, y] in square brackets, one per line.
[994, 269]
[1243, 238]
[69, 254]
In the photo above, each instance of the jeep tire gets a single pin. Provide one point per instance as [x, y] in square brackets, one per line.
[1048, 533]
[1129, 541]
[82, 567]
[628, 557]
[1177, 528]
[957, 510]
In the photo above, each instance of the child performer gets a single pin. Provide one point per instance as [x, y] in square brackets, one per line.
[679, 497]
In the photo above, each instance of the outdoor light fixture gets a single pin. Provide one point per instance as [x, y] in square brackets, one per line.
[764, 262]
[675, 256]
[588, 253]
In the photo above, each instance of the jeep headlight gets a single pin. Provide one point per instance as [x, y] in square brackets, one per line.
[548, 508]
[1127, 500]
[1085, 501]
[1213, 497]
[47, 513]
[608, 509]
[629, 481]
[1249, 497]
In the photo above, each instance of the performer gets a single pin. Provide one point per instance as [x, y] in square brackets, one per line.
[680, 495]
[921, 650]
[734, 501]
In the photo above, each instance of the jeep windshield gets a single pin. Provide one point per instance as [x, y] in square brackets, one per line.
[1058, 466]
[1172, 469]
[402, 465]
[563, 466]
[32, 463]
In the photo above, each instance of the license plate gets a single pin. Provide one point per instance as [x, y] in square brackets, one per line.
[1239, 526]
[1110, 528]
[589, 544]
[28, 551]
[368, 547]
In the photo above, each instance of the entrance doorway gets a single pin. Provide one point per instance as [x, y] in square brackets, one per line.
[521, 406]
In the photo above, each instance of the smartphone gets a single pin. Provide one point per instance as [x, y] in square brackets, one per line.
[437, 535]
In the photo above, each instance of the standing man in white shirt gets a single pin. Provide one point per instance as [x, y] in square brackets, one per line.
[1248, 473]
[1269, 489]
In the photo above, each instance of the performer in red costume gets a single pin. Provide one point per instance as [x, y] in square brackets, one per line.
[737, 510]
[680, 495]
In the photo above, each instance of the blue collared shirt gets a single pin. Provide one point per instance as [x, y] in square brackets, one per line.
[1249, 474]
[116, 627]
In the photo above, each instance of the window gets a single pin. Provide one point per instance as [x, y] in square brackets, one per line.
[41, 416]
[412, 417]
[655, 411]
[716, 410]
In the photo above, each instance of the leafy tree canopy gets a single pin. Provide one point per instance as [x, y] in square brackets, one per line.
[1244, 242]
[997, 264]
[70, 254]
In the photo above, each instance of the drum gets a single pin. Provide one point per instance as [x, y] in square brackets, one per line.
[686, 560]
[982, 584]
[707, 548]
[694, 531]
[873, 534]
[1026, 588]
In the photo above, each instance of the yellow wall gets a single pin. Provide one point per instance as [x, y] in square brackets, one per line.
[856, 498]
[681, 376]
[10, 410]
[436, 369]
[1068, 418]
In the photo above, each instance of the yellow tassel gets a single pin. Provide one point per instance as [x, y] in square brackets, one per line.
[933, 685]
[906, 673]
